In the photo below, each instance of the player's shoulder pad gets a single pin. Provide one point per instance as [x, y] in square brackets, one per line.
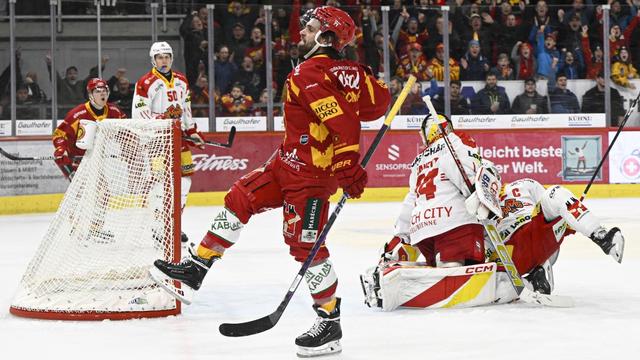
[180, 76]
[77, 111]
[465, 138]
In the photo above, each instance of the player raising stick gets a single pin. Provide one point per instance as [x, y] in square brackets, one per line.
[163, 93]
[325, 99]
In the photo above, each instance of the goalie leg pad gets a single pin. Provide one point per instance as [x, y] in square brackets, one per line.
[409, 285]
[186, 163]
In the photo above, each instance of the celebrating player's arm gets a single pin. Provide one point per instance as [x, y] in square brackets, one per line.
[67, 154]
[535, 223]
[163, 93]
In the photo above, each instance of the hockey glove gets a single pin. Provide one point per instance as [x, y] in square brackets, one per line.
[194, 137]
[476, 207]
[64, 162]
[351, 177]
[399, 249]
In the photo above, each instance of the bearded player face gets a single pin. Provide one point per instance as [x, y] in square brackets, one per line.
[308, 35]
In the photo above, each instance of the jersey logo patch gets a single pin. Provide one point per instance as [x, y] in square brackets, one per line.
[326, 108]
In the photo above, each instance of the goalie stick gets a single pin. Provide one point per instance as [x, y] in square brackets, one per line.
[606, 154]
[495, 240]
[269, 321]
[228, 144]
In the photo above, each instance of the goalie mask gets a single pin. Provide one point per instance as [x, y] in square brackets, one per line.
[330, 19]
[429, 130]
[98, 91]
[161, 47]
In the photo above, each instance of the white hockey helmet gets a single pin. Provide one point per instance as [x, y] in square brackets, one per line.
[160, 47]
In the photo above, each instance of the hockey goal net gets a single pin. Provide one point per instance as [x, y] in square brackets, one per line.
[119, 214]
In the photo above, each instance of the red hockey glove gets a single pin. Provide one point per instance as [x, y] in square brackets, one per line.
[351, 177]
[194, 137]
[399, 249]
[61, 158]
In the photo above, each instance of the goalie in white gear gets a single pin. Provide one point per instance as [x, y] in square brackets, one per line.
[535, 222]
[434, 222]
[163, 93]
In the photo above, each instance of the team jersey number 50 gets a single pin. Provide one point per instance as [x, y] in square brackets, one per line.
[172, 95]
[425, 184]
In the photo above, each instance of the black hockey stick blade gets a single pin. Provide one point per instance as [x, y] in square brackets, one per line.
[228, 144]
[251, 327]
[24, 158]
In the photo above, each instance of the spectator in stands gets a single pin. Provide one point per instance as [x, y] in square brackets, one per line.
[593, 101]
[545, 20]
[436, 65]
[617, 17]
[503, 68]
[474, 65]
[238, 44]
[236, 103]
[570, 38]
[584, 12]
[632, 36]
[459, 103]
[411, 35]
[623, 70]
[122, 95]
[594, 62]
[508, 33]
[563, 100]
[482, 33]
[224, 70]
[255, 50]
[395, 87]
[491, 99]
[413, 104]
[35, 92]
[193, 33]
[525, 62]
[237, 14]
[414, 63]
[456, 47]
[546, 54]
[200, 96]
[284, 67]
[569, 65]
[616, 39]
[71, 90]
[250, 79]
[260, 108]
[530, 101]
[373, 43]
[24, 104]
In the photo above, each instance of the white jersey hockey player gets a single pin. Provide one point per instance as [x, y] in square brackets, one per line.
[163, 93]
[535, 222]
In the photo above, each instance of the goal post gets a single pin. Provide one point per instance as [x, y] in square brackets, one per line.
[119, 214]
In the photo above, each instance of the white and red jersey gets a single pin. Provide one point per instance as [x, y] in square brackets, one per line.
[158, 97]
[437, 191]
[518, 201]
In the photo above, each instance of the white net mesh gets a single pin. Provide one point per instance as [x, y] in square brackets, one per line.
[116, 218]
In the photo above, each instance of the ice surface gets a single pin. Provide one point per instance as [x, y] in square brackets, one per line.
[253, 277]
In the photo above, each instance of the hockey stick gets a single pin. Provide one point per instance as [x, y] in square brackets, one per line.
[606, 154]
[524, 294]
[228, 144]
[30, 158]
[269, 321]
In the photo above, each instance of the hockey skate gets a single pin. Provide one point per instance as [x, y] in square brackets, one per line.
[190, 272]
[537, 278]
[370, 282]
[184, 238]
[324, 336]
[611, 242]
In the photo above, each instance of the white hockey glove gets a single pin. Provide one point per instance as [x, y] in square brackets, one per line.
[484, 203]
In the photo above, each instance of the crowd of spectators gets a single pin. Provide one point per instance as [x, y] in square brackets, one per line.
[489, 40]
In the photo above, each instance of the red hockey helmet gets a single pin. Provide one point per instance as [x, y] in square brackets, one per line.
[96, 83]
[334, 20]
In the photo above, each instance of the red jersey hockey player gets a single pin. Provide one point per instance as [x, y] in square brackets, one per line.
[325, 100]
[535, 222]
[163, 93]
[66, 134]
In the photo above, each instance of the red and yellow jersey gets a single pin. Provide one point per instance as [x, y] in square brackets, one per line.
[236, 107]
[437, 69]
[418, 68]
[325, 100]
[157, 97]
[66, 133]
[406, 38]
